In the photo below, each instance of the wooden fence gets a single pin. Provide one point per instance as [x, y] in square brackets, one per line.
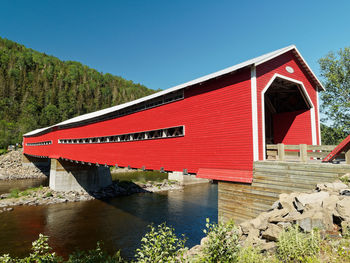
[302, 153]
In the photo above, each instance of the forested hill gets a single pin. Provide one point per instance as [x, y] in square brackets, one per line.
[37, 90]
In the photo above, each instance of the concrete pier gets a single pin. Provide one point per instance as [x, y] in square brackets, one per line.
[70, 176]
[186, 179]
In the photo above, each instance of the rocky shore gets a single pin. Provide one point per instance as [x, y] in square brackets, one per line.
[11, 167]
[46, 196]
[327, 208]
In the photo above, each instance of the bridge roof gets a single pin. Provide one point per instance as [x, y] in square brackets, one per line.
[252, 62]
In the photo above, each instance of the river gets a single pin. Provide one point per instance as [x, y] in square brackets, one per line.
[119, 222]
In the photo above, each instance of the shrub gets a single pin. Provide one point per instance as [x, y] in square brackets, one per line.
[295, 246]
[160, 244]
[41, 251]
[222, 243]
[97, 255]
[250, 255]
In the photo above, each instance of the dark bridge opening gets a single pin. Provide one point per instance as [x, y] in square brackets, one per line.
[283, 96]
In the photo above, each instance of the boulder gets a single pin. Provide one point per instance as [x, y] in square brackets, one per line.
[312, 199]
[286, 201]
[253, 237]
[268, 246]
[272, 232]
[343, 208]
[331, 187]
[204, 240]
[284, 225]
[315, 219]
[277, 215]
[330, 202]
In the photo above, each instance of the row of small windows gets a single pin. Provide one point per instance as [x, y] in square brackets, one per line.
[174, 96]
[38, 143]
[137, 136]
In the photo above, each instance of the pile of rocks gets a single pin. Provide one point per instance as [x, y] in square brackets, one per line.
[326, 208]
[42, 196]
[46, 196]
[11, 167]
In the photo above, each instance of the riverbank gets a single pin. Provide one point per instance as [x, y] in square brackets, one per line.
[11, 167]
[46, 196]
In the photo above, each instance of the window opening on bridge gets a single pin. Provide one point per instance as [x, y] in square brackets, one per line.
[137, 136]
[38, 143]
[174, 96]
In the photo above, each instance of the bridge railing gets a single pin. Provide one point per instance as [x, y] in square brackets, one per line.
[302, 152]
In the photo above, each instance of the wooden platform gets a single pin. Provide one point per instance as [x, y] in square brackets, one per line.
[241, 201]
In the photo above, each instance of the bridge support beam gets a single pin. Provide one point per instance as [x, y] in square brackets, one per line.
[32, 161]
[186, 179]
[69, 176]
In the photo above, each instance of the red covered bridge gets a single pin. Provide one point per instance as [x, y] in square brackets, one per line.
[215, 126]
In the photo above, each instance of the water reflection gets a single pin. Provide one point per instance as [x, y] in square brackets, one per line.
[119, 223]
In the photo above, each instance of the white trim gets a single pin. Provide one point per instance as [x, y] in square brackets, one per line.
[313, 126]
[306, 96]
[318, 117]
[254, 114]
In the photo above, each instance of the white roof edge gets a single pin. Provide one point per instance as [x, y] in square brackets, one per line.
[255, 61]
[291, 47]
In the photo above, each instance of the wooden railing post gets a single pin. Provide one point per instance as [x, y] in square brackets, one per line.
[303, 153]
[347, 156]
[280, 152]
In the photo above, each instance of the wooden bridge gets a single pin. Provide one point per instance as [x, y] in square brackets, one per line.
[219, 126]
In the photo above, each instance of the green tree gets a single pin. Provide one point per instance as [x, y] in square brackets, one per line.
[37, 90]
[332, 136]
[335, 71]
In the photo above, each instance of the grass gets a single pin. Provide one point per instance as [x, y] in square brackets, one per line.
[16, 193]
[3, 151]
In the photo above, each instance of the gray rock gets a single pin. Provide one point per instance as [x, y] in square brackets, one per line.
[272, 232]
[286, 201]
[268, 246]
[276, 205]
[277, 215]
[302, 200]
[284, 225]
[343, 208]
[253, 237]
[345, 192]
[315, 219]
[330, 202]
[331, 187]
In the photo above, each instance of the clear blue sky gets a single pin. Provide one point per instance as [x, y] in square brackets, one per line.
[164, 43]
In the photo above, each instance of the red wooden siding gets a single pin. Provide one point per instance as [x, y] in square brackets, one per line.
[218, 132]
[293, 128]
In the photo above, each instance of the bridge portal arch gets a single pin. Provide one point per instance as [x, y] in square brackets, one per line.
[283, 101]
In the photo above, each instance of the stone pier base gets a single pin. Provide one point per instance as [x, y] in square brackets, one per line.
[186, 179]
[69, 176]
